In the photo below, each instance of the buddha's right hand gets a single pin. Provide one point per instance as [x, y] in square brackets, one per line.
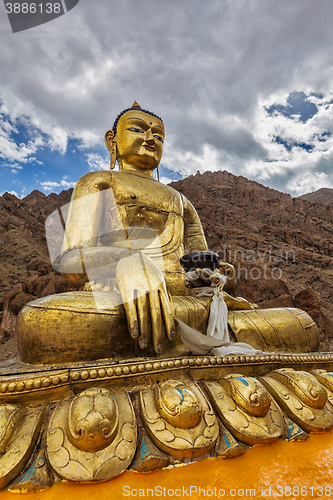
[146, 300]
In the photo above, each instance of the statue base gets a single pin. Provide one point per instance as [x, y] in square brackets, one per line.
[89, 422]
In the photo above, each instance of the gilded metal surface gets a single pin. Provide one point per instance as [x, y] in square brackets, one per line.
[96, 418]
[178, 404]
[292, 431]
[21, 438]
[92, 436]
[278, 330]
[304, 385]
[227, 446]
[103, 333]
[148, 457]
[257, 419]
[93, 420]
[105, 206]
[248, 394]
[145, 297]
[326, 379]
[37, 477]
[30, 385]
[32, 389]
[302, 398]
[10, 415]
[189, 441]
[130, 343]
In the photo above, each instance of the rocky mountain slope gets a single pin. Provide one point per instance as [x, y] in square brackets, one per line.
[281, 247]
[323, 195]
[23, 247]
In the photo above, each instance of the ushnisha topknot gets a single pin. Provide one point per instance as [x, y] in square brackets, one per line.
[137, 106]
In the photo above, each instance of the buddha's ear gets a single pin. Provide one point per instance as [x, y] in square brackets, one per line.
[109, 139]
[112, 147]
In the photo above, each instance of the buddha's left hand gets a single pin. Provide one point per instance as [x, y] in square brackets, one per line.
[146, 300]
[237, 303]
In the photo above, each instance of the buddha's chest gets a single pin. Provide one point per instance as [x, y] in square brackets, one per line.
[144, 202]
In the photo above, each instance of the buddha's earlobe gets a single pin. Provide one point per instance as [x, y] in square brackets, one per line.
[112, 147]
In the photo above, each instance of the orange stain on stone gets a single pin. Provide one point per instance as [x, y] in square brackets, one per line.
[307, 465]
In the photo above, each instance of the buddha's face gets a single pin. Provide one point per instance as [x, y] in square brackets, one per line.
[139, 140]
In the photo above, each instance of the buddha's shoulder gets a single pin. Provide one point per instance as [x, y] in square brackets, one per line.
[142, 183]
[124, 181]
[96, 176]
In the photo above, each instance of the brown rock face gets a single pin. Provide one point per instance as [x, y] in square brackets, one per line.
[308, 301]
[24, 253]
[23, 247]
[266, 293]
[279, 245]
[323, 195]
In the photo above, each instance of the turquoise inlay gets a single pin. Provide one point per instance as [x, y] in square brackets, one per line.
[181, 393]
[329, 374]
[31, 471]
[290, 429]
[226, 440]
[28, 475]
[241, 379]
[107, 395]
[143, 451]
[143, 448]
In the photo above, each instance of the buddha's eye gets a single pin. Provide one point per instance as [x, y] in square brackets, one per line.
[134, 129]
[158, 137]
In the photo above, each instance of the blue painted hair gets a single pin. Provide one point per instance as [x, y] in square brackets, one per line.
[114, 128]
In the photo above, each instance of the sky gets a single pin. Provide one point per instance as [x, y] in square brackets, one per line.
[242, 85]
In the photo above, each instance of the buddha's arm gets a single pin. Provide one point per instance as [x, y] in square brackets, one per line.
[146, 301]
[92, 213]
[193, 234]
[195, 240]
[237, 303]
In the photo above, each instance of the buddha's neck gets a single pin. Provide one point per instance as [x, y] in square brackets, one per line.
[141, 172]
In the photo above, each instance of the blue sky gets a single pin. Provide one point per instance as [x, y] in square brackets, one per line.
[31, 161]
[241, 86]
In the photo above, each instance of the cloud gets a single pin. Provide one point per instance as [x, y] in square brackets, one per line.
[11, 192]
[309, 181]
[50, 185]
[298, 104]
[34, 160]
[12, 151]
[210, 69]
[166, 180]
[97, 162]
[14, 165]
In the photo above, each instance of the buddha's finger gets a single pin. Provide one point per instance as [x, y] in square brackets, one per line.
[132, 316]
[156, 320]
[142, 310]
[168, 315]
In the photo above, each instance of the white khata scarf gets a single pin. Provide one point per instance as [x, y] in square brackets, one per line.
[217, 341]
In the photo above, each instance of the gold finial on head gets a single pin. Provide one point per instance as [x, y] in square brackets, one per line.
[135, 105]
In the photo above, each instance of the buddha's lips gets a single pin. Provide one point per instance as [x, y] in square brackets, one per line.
[151, 148]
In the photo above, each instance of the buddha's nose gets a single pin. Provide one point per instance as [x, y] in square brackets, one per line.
[149, 136]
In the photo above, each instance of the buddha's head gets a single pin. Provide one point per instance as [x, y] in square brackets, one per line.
[136, 140]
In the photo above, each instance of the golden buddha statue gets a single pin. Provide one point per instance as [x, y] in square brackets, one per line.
[139, 247]
[125, 235]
